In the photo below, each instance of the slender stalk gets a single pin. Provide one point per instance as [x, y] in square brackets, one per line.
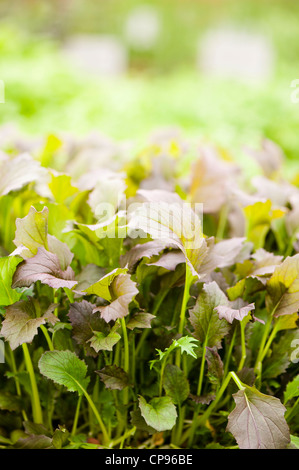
[222, 222]
[202, 366]
[229, 353]
[126, 356]
[76, 417]
[47, 336]
[121, 439]
[133, 361]
[243, 345]
[163, 365]
[202, 420]
[179, 426]
[261, 353]
[269, 342]
[56, 301]
[116, 354]
[36, 407]
[14, 370]
[291, 411]
[188, 280]
[96, 413]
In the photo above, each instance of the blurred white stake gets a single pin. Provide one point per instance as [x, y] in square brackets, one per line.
[228, 53]
[143, 27]
[102, 55]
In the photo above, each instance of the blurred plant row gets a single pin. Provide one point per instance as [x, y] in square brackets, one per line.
[45, 94]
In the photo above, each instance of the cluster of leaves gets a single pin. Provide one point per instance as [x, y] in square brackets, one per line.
[167, 333]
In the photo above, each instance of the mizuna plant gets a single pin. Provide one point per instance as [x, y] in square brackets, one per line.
[148, 324]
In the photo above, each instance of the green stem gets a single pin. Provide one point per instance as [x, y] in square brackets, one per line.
[202, 366]
[14, 370]
[188, 281]
[96, 413]
[76, 417]
[229, 353]
[48, 339]
[56, 301]
[291, 411]
[261, 355]
[121, 439]
[36, 407]
[243, 345]
[133, 361]
[202, 420]
[269, 342]
[70, 294]
[163, 365]
[126, 356]
[179, 426]
[290, 247]
[222, 222]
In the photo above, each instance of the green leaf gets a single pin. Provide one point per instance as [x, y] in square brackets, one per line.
[258, 221]
[8, 266]
[292, 389]
[257, 421]
[60, 437]
[64, 368]
[295, 442]
[159, 413]
[122, 290]
[140, 320]
[61, 187]
[34, 442]
[114, 377]
[139, 422]
[101, 342]
[205, 320]
[175, 384]
[22, 321]
[32, 231]
[101, 287]
[186, 344]
[10, 402]
[283, 288]
[245, 288]
[32, 234]
[280, 358]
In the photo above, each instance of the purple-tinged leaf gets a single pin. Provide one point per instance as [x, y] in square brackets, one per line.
[114, 377]
[230, 314]
[19, 171]
[44, 267]
[84, 323]
[215, 365]
[205, 320]
[145, 250]
[257, 421]
[22, 321]
[283, 288]
[122, 290]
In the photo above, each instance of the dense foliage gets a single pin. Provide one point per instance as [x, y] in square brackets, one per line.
[124, 325]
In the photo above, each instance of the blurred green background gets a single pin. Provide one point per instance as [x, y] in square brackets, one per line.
[162, 86]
